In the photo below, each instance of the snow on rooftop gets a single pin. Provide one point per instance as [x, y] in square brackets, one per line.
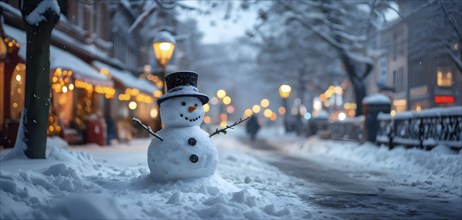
[377, 99]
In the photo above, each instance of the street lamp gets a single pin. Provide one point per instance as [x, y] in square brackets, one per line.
[284, 92]
[163, 46]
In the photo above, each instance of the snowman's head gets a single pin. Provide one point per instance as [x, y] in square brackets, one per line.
[182, 111]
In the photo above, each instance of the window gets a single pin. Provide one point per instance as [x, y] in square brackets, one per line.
[398, 79]
[444, 79]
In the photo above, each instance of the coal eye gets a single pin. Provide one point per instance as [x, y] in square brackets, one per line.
[183, 103]
[195, 105]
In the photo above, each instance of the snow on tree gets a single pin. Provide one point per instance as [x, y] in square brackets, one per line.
[343, 25]
[40, 17]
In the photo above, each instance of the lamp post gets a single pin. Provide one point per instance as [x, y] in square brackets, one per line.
[284, 92]
[163, 46]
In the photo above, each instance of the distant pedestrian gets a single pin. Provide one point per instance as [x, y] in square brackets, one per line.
[252, 126]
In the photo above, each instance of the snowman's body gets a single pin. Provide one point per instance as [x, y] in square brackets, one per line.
[186, 150]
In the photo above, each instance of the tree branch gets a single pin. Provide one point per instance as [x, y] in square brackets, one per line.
[223, 130]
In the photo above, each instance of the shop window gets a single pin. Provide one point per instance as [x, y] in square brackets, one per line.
[18, 82]
[444, 79]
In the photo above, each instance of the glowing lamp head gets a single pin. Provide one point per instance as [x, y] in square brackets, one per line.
[284, 91]
[163, 45]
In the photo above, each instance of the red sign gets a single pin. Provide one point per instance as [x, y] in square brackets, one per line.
[444, 99]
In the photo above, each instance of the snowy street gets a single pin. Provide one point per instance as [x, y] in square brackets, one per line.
[275, 177]
[350, 190]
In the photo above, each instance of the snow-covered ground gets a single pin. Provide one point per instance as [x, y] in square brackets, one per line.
[112, 182]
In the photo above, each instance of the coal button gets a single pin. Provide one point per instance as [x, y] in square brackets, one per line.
[194, 158]
[192, 141]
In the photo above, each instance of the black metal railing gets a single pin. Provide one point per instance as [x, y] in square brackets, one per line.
[350, 129]
[424, 129]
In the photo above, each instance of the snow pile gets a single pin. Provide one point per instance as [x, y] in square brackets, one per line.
[376, 99]
[74, 185]
[439, 167]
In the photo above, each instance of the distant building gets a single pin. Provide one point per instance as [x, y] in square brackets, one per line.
[419, 72]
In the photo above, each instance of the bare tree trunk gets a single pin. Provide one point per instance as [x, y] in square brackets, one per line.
[37, 97]
[357, 81]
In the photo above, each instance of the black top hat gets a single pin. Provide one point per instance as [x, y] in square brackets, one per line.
[182, 83]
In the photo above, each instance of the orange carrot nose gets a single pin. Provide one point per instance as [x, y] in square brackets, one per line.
[191, 108]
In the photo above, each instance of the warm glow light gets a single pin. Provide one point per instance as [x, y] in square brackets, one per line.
[64, 89]
[153, 113]
[207, 119]
[418, 108]
[273, 117]
[393, 112]
[256, 108]
[132, 105]
[223, 117]
[157, 93]
[341, 116]
[221, 93]
[18, 77]
[163, 45]
[267, 113]
[282, 110]
[264, 103]
[227, 100]
[248, 112]
[230, 109]
[284, 91]
[71, 87]
[206, 108]
[223, 124]
[329, 93]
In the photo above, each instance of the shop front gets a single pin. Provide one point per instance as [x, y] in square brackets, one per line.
[77, 95]
[134, 97]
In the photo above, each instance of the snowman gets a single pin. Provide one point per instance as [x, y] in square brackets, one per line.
[182, 150]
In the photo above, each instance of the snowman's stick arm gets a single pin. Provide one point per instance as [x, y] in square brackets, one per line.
[223, 130]
[148, 128]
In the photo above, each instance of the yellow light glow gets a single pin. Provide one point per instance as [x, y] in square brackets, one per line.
[207, 119]
[329, 93]
[132, 92]
[284, 91]
[418, 108]
[282, 110]
[264, 103]
[248, 112]
[157, 93]
[223, 124]
[230, 109]
[393, 112]
[124, 97]
[54, 79]
[132, 105]
[206, 108]
[227, 100]
[71, 87]
[256, 109]
[267, 113]
[64, 89]
[221, 93]
[153, 113]
[163, 52]
[18, 77]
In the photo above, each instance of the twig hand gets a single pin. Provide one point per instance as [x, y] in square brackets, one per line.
[148, 128]
[223, 130]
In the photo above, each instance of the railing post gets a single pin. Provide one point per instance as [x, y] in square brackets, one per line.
[391, 134]
[421, 133]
